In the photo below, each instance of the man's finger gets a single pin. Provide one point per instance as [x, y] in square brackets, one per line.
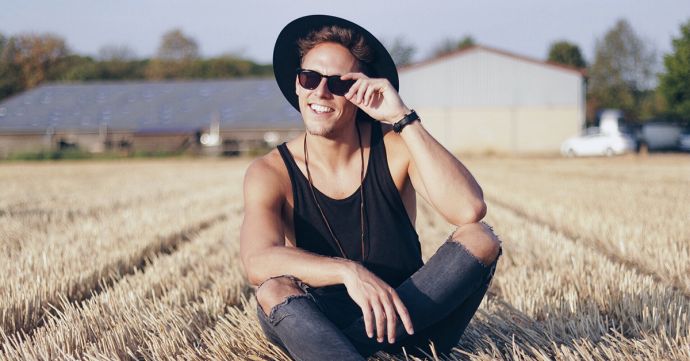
[360, 91]
[402, 311]
[380, 320]
[353, 90]
[391, 318]
[368, 94]
[353, 76]
[368, 324]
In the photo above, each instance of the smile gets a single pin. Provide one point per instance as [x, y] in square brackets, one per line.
[320, 108]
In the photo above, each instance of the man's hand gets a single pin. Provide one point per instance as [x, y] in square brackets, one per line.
[377, 97]
[372, 294]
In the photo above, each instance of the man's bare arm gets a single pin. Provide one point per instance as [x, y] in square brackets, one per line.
[434, 172]
[262, 238]
[441, 178]
[264, 255]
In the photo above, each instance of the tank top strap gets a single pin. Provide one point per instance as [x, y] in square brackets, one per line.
[293, 172]
[290, 163]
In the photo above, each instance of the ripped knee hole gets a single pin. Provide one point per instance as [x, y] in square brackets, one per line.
[277, 290]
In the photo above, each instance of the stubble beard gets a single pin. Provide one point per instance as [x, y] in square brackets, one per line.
[322, 130]
[327, 129]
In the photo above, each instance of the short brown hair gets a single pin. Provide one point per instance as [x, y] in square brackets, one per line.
[349, 38]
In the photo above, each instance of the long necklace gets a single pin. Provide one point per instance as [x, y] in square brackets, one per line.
[361, 193]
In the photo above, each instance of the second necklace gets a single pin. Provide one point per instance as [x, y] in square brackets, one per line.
[361, 194]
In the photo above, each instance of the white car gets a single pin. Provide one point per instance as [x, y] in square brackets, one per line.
[598, 143]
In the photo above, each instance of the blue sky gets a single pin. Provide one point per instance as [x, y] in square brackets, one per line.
[250, 27]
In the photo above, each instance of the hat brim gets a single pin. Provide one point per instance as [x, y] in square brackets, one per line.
[286, 57]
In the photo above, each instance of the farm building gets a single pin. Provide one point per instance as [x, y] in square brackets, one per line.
[229, 116]
[481, 99]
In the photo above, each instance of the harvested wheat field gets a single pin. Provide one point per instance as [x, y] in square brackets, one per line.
[139, 260]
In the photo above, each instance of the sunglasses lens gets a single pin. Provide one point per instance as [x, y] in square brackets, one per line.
[309, 79]
[338, 86]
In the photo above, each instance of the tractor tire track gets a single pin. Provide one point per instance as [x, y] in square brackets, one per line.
[591, 244]
[108, 275]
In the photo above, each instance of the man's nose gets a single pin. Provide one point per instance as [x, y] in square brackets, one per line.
[322, 89]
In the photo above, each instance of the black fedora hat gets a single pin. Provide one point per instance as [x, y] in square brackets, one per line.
[286, 57]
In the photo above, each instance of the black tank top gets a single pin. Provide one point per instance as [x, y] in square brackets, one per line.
[391, 244]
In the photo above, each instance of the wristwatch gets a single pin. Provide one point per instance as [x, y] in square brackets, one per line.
[407, 119]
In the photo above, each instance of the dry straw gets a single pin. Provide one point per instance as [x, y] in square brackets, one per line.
[110, 260]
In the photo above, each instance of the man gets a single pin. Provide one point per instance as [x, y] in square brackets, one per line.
[328, 233]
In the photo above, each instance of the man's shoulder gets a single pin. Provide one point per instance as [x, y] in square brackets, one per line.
[266, 171]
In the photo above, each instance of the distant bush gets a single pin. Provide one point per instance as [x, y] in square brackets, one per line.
[70, 154]
[153, 154]
[51, 155]
[259, 150]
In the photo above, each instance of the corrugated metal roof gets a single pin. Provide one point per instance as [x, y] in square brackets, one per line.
[142, 106]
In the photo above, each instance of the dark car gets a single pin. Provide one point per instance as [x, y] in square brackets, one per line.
[659, 135]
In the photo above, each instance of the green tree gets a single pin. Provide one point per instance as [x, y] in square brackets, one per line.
[175, 58]
[623, 70]
[449, 45]
[566, 53]
[26, 59]
[10, 81]
[123, 70]
[652, 104]
[34, 54]
[73, 67]
[113, 52]
[118, 62]
[401, 51]
[674, 83]
[176, 46]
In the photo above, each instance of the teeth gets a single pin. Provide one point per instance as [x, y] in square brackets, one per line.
[320, 108]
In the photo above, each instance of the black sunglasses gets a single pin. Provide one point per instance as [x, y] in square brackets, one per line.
[310, 79]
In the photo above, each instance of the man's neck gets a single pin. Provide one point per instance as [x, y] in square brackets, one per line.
[335, 151]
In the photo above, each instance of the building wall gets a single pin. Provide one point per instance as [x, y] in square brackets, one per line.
[501, 130]
[480, 100]
[234, 141]
[12, 143]
[91, 142]
[162, 142]
[21, 143]
[542, 130]
[481, 78]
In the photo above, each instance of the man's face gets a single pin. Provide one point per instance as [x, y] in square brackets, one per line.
[325, 114]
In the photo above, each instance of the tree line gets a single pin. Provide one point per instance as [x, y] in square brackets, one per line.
[624, 73]
[27, 60]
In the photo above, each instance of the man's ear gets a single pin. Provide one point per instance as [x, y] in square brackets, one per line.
[296, 85]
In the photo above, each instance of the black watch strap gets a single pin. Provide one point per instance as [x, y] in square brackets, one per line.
[407, 119]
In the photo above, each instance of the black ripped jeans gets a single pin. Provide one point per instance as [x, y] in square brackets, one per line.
[441, 298]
